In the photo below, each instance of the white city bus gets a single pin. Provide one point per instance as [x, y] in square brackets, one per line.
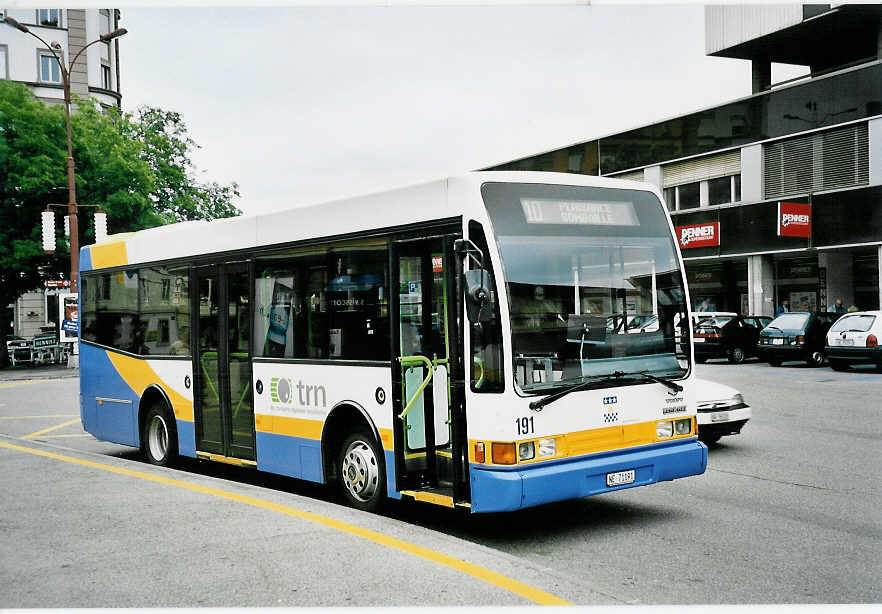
[462, 342]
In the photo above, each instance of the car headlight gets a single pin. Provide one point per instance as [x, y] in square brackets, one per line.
[547, 447]
[526, 450]
[664, 429]
[683, 427]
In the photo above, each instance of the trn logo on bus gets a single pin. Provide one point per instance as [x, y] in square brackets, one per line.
[282, 391]
[699, 235]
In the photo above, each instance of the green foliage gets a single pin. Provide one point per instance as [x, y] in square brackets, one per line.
[135, 166]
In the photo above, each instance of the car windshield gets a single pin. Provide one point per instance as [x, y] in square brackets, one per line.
[857, 323]
[593, 281]
[790, 321]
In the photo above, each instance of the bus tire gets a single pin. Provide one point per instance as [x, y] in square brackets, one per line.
[159, 436]
[361, 472]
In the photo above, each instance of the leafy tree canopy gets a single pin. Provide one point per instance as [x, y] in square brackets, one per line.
[136, 166]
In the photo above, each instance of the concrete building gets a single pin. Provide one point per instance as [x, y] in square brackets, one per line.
[777, 195]
[23, 58]
[96, 74]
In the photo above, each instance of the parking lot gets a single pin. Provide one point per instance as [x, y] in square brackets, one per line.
[788, 511]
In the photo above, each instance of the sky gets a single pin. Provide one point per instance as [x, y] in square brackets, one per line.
[300, 105]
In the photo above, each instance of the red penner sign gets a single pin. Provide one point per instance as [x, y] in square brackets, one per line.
[698, 235]
[794, 219]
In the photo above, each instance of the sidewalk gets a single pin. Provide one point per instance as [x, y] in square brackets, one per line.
[13, 374]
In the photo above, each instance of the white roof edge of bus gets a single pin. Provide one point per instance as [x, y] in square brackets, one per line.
[382, 209]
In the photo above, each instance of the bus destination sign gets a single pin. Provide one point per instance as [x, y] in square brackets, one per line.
[578, 212]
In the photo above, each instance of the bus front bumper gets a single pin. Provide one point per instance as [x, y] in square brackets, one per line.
[501, 490]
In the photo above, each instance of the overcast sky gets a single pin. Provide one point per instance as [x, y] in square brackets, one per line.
[300, 105]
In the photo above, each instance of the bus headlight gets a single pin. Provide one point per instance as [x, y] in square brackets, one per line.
[547, 447]
[683, 427]
[665, 429]
[526, 450]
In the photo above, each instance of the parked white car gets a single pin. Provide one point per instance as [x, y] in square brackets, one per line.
[721, 411]
[854, 338]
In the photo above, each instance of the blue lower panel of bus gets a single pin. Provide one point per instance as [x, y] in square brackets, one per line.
[500, 490]
[117, 421]
[297, 457]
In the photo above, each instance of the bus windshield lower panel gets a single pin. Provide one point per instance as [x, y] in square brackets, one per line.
[593, 282]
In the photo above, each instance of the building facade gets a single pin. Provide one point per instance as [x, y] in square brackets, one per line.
[96, 75]
[25, 59]
[777, 195]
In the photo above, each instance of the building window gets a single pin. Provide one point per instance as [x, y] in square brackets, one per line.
[50, 71]
[688, 195]
[4, 71]
[49, 17]
[105, 77]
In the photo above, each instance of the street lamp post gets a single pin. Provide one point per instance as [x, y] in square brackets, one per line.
[71, 181]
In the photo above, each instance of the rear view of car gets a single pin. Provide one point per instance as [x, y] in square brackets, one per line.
[797, 335]
[854, 339]
[732, 337]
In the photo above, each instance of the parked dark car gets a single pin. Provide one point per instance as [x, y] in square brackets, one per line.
[732, 337]
[796, 335]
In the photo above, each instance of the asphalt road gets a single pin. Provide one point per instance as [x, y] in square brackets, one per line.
[788, 512]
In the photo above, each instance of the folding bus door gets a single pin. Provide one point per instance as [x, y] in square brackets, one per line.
[223, 403]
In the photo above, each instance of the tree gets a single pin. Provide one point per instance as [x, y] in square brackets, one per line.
[136, 166]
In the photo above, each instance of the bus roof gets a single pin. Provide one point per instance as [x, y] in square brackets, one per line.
[443, 198]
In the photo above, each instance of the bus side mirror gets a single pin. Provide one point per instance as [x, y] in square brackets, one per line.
[477, 291]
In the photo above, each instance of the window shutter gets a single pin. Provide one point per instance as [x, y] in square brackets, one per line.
[700, 169]
[819, 161]
[632, 176]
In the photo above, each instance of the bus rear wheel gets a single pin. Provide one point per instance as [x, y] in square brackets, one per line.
[159, 436]
[361, 472]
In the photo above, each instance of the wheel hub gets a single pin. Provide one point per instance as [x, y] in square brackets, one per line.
[360, 471]
[157, 438]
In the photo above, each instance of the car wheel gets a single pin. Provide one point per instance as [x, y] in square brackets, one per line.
[838, 365]
[159, 436]
[361, 472]
[815, 359]
[709, 440]
[736, 355]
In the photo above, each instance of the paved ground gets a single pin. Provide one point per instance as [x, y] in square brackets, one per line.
[787, 512]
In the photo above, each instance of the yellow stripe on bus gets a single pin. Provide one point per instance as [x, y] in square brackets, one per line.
[530, 593]
[111, 253]
[307, 429]
[138, 374]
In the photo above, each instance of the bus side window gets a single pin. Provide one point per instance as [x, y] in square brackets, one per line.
[486, 337]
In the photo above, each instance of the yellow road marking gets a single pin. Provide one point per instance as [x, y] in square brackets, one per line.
[491, 577]
[52, 428]
[35, 417]
[63, 436]
[25, 382]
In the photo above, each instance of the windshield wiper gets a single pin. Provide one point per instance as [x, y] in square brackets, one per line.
[661, 380]
[775, 327]
[594, 380]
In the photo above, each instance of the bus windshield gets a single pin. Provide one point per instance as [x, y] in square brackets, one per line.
[593, 282]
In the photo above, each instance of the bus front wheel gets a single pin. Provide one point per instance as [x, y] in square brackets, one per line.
[361, 472]
[159, 436]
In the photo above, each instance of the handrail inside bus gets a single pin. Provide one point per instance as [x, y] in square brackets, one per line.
[416, 361]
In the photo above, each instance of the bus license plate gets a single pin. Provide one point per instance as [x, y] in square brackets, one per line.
[620, 477]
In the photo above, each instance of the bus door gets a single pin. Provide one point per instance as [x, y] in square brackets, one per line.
[223, 404]
[427, 372]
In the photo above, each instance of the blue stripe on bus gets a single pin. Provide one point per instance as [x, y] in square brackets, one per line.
[115, 422]
[499, 491]
[85, 260]
[186, 438]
